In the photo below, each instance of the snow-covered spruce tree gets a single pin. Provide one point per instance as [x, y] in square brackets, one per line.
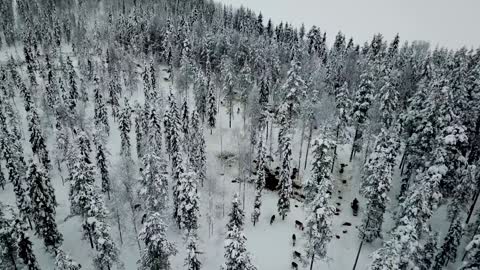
[228, 87]
[389, 97]
[37, 140]
[211, 105]
[361, 105]
[107, 252]
[448, 251]
[186, 71]
[192, 262]
[259, 181]
[63, 261]
[8, 241]
[100, 110]
[139, 131]
[196, 151]
[201, 88]
[73, 94]
[185, 119]
[3, 181]
[376, 183]
[472, 254]
[102, 165]
[188, 202]
[114, 90]
[25, 250]
[154, 182]
[294, 87]
[343, 105]
[236, 255]
[124, 125]
[427, 252]
[172, 127]
[43, 206]
[157, 249]
[286, 191]
[154, 133]
[318, 190]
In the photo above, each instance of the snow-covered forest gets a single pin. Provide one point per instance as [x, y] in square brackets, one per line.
[161, 134]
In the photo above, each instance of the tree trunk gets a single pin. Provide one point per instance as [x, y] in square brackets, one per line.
[310, 131]
[353, 144]
[87, 227]
[119, 227]
[301, 146]
[230, 112]
[335, 148]
[312, 260]
[472, 207]
[12, 258]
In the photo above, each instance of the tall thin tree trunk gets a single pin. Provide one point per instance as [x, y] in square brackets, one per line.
[353, 144]
[119, 227]
[12, 258]
[335, 148]
[230, 113]
[310, 131]
[312, 260]
[301, 148]
[472, 207]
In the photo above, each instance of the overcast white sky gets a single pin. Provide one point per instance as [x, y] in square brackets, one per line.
[449, 23]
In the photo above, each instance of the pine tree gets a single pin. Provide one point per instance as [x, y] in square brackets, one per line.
[318, 190]
[154, 134]
[103, 168]
[376, 184]
[294, 87]
[427, 252]
[139, 131]
[236, 255]
[63, 261]
[286, 191]
[114, 91]
[192, 262]
[3, 181]
[37, 139]
[259, 181]
[43, 206]
[188, 202]
[389, 98]
[157, 248]
[472, 255]
[25, 251]
[228, 87]
[73, 94]
[201, 88]
[211, 106]
[107, 252]
[8, 241]
[185, 119]
[154, 182]
[448, 251]
[100, 110]
[124, 126]
[343, 104]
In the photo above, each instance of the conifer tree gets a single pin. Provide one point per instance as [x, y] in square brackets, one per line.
[228, 87]
[25, 251]
[8, 241]
[185, 119]
[3, 181]
[188, 202]
[294, 87]
[124, 125]
[259, 181]
[472, 254]
[211, 106]
[285, 192]
[236, 255]
[63, 261]
[37, 139]
[103, 168]
[100, 110]
[448, 251]
[154, 182]
[157, 249]
[154, 134]
[43, 206]
[192, 262]
[318, 190]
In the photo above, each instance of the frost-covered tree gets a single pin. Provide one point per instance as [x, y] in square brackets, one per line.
[286, 191]
[192, 261]
[106, 251]
[100, 110]
[188, 202]
[472, 254]
[318, 190]
[185, 119]
[63, 261]
[37, 140]
[361, 105]
[124, 125]
[154, 182]
[228, 87]
[8, 241]
[343, 105]
[236, 255]
[157, 249]
[448, 250]
[25, 251]
[426, 253]
[102, 165]
[294, 87]
[376, 183]
[3, 181]
[154, 133]
[211, 106]
[43, 206]
[259, 181]
[389, 98]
